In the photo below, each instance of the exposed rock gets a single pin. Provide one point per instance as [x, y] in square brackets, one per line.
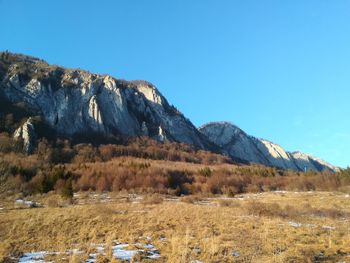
[144, 129]
[239, 145]
[27, 133]
[72, 101]
[161, 135]
[307, 162]
[75, 101]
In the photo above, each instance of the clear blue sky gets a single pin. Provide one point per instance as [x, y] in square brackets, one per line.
[278, 69]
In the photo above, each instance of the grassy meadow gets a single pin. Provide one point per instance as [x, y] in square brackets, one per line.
[267, 227]
[93, 208]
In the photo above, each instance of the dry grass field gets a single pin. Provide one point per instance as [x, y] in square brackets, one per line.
[96, 227]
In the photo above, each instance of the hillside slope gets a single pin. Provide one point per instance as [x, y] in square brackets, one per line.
[237, 144]
[40, 99]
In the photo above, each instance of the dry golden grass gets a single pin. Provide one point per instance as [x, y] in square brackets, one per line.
[259, 227]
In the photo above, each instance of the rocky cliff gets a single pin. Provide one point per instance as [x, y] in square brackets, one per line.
[26, 132]
[73, 101]
[237, 144]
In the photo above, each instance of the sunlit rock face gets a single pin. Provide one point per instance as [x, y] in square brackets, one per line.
[240, 145]
[26, 132]
[74, 101]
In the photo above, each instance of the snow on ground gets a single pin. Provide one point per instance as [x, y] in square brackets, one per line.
[296, 224]
[196, 250]
[39, 257]
[33, 257]
[26, 203]
[121, 251]
[328, 227]
[236, 254]
[100, 250]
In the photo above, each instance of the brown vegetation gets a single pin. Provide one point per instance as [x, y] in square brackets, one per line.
[32, 174]
[268, 227]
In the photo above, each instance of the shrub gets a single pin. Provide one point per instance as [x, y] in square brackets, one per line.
[152, 199]
[206, 171]
[67, 190]
[178, 180]
[230, 191]
[53, 201]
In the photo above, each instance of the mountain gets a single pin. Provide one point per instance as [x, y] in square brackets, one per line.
[237, 144]
[75, 102]
[43, 100]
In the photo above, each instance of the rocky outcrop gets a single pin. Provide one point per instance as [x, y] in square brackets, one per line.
[237, 144]
[74, 101]
[26, 132]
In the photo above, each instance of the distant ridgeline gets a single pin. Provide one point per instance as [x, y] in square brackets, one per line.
[39, 100]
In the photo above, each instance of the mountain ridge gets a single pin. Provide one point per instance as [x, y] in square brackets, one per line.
[99, 103]
[75, 101]
[239, 144]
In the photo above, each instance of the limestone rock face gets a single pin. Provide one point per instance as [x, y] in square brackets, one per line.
[27, 133]
[237, 144]
[74, 102]
[77, 102]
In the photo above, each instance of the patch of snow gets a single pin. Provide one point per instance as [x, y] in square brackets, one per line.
[197, 250]
[148, 238]
[26, 203]
[235, 254]
[38, 257]
[149, 247]
[91, 259]
[33, 257]
[92, 256]
[74, 251]
[153, 255]
[294, 224]
[135, 197]
[120, 252]
[328, 227]
[100, 249]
